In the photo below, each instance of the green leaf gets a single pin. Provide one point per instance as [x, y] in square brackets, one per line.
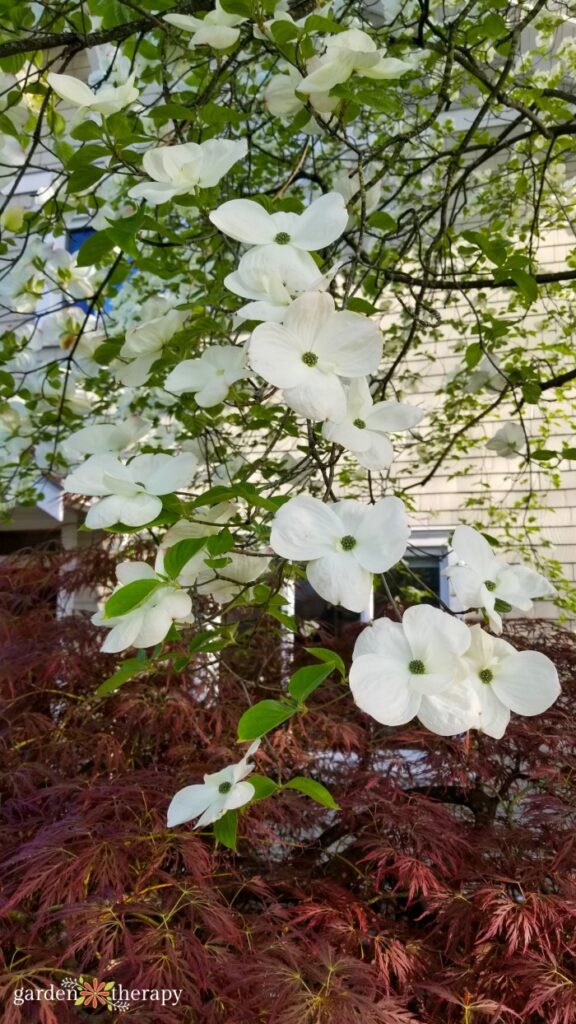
[527, 284]
[543, 454]
[382, 221]
[225, 829]
[531, 392]
[356, 305]
[308, 679]
[213, 113]
[263, 786]
[95, 248]
[128, 669]
[262, 718]
[330, 657]
[242, 7]
[87, 131]
[283, 31]
[129, 597]
[86, 155]
[569, 453]
[84, 178]
[473, 355]
[315, 790]
[179, 554]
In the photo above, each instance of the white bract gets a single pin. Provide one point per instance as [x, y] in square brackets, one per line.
[481, 579]
[311, 351]
[272, 277]
[486, 374]
[224, 584]
[281, 99]
[318, 226]
[343, 544]
[109, 99]
[182, 169]
[348, 52]
[105, 437]
[148, 623]
[210, 376]
[414, 668]
[364, 427]
[144, 343]
[504, 680]
[220, 792]
[509, 441]
[130, 492]
[217, 28]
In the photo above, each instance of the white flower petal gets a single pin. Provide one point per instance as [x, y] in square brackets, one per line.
[305, 528]
[451, 712]
[170, 473]
[244, 220]
[383, 535]
[321, 223]
[526, 682]
[339, 579]
[71, 89]
[475, 551]
[380, 686]
[188, 803]
[123, 634]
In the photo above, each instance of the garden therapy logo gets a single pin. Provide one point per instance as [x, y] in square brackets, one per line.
[95, 994]
[92, 994]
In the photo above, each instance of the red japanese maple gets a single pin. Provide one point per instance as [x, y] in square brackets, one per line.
[441, 892]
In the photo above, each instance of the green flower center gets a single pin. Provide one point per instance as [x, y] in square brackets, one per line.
[348, 542]
[489, 585]
[224, 787]
[417, 667]
[360, 424]
[486, 676]
[282, 238]
[309, 358]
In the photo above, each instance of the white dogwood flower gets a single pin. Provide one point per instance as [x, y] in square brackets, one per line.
[224, 584]
[182, 169]
[348, 52]
[210, 376]
[343, 544]
[504, 680]
[107, 100]
[311, 351]
[280, 95]
[486, 374]
[480, 580]
[272, 277]
[318, 226]
[509, 441]
[222, 791]
[414, 668]
[148, 623]
[144, 343]
[130, 492]
[217, 28]
[364, 427]
[105, 437]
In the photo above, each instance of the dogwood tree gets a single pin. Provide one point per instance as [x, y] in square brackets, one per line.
[290, 205]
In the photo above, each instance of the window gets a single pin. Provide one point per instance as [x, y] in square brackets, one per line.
[74, 239]
[419, 577]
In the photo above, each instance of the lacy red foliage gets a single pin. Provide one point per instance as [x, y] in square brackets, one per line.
[442, 892]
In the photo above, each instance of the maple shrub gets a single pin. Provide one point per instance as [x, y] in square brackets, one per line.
[439, 891]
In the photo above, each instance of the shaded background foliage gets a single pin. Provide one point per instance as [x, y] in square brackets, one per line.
[442, 891]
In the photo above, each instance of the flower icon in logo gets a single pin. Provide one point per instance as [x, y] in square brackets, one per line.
[94, 993]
